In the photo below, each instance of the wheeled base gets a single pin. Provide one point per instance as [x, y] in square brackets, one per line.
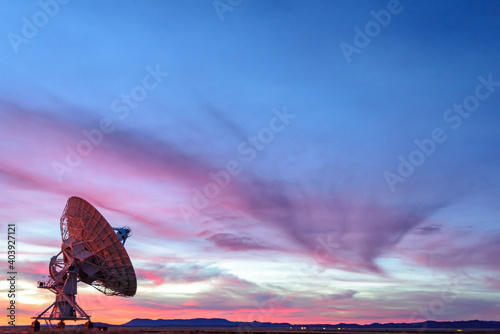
[35, 325]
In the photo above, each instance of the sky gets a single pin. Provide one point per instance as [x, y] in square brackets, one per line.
[283, 161]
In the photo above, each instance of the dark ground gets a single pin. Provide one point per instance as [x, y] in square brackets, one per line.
[156, 330]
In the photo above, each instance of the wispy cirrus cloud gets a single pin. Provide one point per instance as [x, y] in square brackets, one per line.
[361, 228]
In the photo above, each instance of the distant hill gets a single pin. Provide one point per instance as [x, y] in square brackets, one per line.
[201, 322]
[223, 323]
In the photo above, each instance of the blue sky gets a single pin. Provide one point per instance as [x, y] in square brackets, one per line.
[172, 93]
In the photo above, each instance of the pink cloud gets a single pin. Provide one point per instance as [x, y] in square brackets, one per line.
[129, 173]
[150, 276]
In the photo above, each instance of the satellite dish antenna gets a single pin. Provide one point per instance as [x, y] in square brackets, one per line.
[92, 252]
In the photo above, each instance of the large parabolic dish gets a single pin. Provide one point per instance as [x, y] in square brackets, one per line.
[100, 256]
[93, 253]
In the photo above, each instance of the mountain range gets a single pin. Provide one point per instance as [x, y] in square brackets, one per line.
[223, 323]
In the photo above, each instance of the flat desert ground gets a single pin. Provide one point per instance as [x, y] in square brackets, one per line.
[159, 330]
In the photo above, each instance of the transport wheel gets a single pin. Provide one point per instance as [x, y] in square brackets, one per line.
[35, 326]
